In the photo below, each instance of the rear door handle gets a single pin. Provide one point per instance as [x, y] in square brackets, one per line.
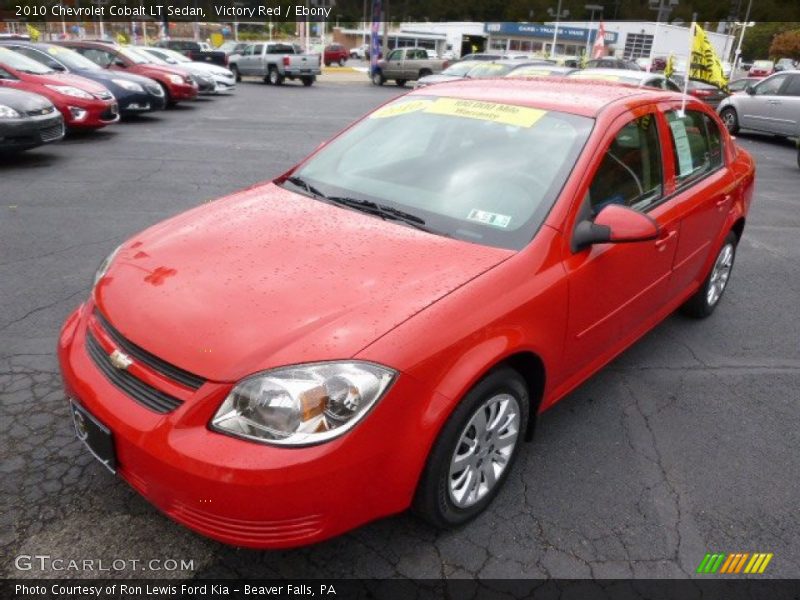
[723, 201]
[661, 242]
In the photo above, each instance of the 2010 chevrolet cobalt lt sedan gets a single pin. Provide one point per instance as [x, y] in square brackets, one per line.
[379, 327]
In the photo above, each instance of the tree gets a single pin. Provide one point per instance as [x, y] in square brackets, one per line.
[786, 45]
[757, 39]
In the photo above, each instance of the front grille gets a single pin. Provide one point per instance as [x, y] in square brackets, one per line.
[142, 393]
[41, 111]
[104, 95]
[185, 378]
[52, 133]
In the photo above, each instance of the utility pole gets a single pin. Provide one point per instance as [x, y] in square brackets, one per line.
[558, 16]
[592, 8]
[744, 25]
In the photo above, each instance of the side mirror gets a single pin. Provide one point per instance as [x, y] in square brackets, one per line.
[56, 66]
[615, 224]
[119, 63]
[750, 89]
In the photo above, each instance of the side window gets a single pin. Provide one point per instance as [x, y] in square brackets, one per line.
[258, 49]
[100, 57]
[696, 144]
[395, 55]
[630, 173]
[6, 75]
[771, 86]
[793, 87]
[32, 54]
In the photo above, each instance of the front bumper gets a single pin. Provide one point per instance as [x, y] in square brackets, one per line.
[245, 493]
[83, 114]
[141, 102]
[182, 91]
[30, 132]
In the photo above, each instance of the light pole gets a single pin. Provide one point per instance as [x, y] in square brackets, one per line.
[558, 15]
[591, 8]
[744, 25]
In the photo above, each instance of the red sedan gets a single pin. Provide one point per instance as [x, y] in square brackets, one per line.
[177, 83]
[83, 103]
[380, 327]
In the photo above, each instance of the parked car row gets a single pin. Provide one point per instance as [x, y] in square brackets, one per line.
[50, 88]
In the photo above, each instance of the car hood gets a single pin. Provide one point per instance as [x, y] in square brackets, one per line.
[146, 68]
[82, 83]
[23, 101]
[268, 277]
[104, 75]
[429, 79]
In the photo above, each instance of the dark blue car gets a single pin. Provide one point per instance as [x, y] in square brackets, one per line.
[135, 94]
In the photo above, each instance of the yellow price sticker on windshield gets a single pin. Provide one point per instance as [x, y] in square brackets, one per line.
[590, 75]
[508, 114]
[403, 108]
[529, 72]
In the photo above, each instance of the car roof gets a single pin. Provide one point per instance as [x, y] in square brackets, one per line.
[577, 96]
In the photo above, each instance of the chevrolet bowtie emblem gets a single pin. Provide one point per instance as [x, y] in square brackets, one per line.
[120, 360]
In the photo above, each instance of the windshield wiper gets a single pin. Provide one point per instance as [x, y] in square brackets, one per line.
[300, 182]
[388, 213]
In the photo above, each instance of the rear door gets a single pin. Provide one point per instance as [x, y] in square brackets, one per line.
[704, 189]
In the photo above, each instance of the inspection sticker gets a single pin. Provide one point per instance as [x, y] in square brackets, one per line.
[489, 218]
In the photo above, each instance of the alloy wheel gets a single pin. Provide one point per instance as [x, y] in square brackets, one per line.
[720, 274]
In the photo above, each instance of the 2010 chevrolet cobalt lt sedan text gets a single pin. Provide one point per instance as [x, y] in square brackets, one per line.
[379, 327]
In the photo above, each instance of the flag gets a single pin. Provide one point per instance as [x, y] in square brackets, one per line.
[375, 40]
[122, 39]
[704, 64]
[669, 69]
[599, 46]
[34, 33]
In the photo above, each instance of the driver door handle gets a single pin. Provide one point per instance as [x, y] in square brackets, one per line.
[664, 238]
[723, 201]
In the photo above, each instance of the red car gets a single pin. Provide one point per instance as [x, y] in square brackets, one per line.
[380, 327]
[335, 53]
[177, 83]
[762, 68]
[84, 104]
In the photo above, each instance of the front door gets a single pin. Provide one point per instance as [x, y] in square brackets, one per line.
[757, 111]
[616, 289]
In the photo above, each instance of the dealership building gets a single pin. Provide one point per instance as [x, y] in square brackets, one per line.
[623, 39]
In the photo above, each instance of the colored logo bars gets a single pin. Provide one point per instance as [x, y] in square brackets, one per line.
[734, 563]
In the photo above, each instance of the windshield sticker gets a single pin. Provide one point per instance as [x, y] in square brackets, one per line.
[403, 108]
[508, 114]
[489, 218]
[529, 72]
[589, 75]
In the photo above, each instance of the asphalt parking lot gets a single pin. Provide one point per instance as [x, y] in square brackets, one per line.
[684, 445]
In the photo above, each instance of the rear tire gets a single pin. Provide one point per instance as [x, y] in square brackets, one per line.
[273, 77]
[475, 450]
[424, 73]
[706, 299]
[731, 120]
[307, 81]
[400, 82]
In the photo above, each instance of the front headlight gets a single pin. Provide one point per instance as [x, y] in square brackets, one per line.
[6, 112]
[176, 79]
[303, 404]
[131, 86]
[69, 90]
[101, 270]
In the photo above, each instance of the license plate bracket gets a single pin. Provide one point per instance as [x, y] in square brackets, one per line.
[95, 436]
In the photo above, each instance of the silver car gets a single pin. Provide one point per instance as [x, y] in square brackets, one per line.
[222, 79]
[771, 106]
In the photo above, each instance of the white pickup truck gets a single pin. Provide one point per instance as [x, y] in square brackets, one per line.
[275, 62]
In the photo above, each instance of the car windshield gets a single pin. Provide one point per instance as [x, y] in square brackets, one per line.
[600, 76]
[488, 69]
[136, 57]
[483, 172]
[173, 55]
[460, 68]
[22, 63]
[763, 64]
[536, 71]
[72, 59]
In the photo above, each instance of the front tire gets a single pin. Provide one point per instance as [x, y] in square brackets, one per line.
[235, 70]
[341, 62]
[706, 299]
[475, 450]
[731, 120]
[377, 78]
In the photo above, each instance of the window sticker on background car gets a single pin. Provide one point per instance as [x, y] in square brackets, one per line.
[489, 218]
[402, 108]
[682, 148]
